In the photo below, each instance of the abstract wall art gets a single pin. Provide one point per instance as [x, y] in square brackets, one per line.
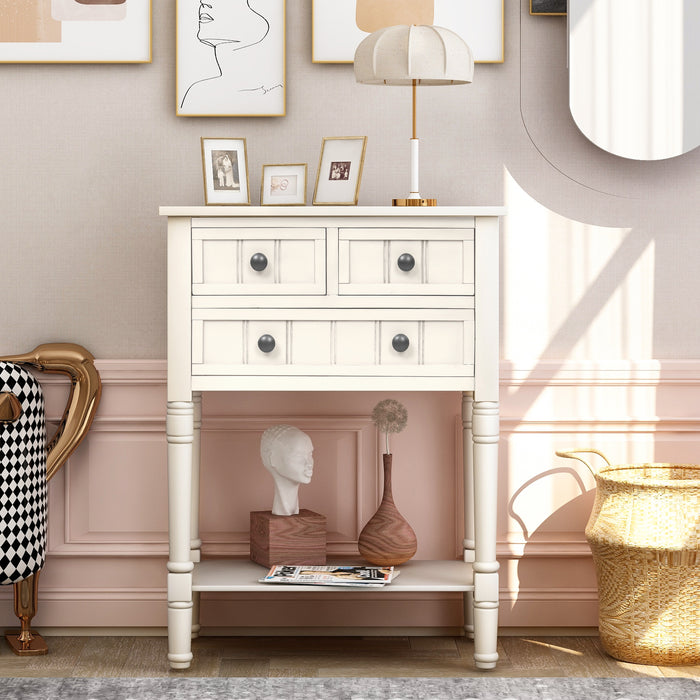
[336, 25]
[230, 58]
[75, 31]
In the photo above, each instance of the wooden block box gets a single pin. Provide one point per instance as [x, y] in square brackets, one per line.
[287, 539]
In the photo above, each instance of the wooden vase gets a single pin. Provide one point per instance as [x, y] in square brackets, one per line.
[387, 539]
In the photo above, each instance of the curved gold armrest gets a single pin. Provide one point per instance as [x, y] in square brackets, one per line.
[86, 389]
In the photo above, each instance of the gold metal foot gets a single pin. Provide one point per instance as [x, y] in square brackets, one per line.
[34, 646]
[422, 202]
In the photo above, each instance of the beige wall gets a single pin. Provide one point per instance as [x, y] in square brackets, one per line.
[88, 153]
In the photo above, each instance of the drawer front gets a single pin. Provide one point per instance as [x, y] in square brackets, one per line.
[258, 261]
[406, 261]
[431, 342]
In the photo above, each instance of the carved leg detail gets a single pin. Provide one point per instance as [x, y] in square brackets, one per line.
[26, 642]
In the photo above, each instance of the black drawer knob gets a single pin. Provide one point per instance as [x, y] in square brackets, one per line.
[406, 262]
[266, 343]
[400, 342]
[258, 262]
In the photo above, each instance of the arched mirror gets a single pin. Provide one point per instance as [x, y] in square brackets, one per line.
[633, 75]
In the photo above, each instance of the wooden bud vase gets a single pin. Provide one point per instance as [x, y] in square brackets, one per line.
[387, 539]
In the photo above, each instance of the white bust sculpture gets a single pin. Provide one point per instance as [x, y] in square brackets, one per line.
[287, 453]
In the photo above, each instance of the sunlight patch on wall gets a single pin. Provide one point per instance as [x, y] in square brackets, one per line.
[572, 291]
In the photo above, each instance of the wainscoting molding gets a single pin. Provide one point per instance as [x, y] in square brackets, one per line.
[108, 505]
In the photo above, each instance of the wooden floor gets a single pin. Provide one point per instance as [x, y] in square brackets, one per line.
[325, 657]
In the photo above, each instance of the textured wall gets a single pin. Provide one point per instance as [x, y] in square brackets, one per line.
[89, 153]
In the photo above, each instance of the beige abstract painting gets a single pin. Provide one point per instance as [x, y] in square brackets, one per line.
[28, 20]
[372, 15]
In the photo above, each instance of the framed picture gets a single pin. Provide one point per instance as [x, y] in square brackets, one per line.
[547, 7]
[225, 165]
[283, 184]
[335, 31]
[75, 31]
[230, 58]
[340, 170]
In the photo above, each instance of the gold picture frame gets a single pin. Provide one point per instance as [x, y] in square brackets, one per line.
[230, 59]
[283, 184]
[225, 170]
[481, 23]
[340, 170]
[66, 31]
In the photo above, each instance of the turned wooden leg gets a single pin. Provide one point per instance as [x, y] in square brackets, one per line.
[485, 436]
[24, 641]
[180, 437]
[468, 466]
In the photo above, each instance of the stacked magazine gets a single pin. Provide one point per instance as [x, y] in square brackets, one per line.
[358, 576]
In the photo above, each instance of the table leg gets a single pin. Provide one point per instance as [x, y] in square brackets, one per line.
[468, 466]
[485, 436]
[180, 437]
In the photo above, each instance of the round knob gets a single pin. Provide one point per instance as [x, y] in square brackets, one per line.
[406, 262]
[400, 342]
[258, 262]
[266, 343]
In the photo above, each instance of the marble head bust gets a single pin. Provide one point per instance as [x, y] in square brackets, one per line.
[287, 453]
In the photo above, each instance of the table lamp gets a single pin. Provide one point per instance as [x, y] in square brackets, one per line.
[413, 55]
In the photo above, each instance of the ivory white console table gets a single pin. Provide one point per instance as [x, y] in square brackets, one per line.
[336, 299]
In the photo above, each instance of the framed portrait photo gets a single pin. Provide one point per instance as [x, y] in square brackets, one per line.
[283, 184]
[340, 170]
[225, 166]
[230, 58]
[75, 31]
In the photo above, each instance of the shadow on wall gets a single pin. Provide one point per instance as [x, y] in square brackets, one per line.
[539, 577]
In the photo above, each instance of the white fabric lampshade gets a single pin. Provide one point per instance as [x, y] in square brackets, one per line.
[400, 54]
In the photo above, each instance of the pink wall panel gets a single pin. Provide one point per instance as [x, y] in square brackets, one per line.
[108, 505]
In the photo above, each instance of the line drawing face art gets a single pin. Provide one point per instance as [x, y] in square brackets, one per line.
[240, 57]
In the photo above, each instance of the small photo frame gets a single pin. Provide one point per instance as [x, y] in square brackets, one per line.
[340, 170]
[225, 167]
[283, 184]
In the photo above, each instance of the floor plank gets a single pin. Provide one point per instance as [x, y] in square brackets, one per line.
[349, 657]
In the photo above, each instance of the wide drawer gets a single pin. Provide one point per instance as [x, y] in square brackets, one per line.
[388, 342]
[239, 261]
[406, 261]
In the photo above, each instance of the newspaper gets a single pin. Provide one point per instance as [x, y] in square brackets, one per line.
[358, 576]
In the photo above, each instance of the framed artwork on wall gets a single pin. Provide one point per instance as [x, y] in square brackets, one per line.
[547, 7]
[283, 184]
[335, 31]
[75, 31]
[230, 58]
[340, 170]
[225, 167]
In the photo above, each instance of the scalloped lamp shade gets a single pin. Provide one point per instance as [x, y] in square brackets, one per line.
[414, 55]
[427, 54]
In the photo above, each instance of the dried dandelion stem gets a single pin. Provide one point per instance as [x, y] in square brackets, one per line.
[389, 416]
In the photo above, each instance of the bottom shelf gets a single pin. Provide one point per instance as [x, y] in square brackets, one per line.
[415, 576]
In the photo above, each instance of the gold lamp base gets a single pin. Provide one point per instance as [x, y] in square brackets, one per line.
[422, 202]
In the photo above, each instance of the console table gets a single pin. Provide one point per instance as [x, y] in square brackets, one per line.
[337, 299]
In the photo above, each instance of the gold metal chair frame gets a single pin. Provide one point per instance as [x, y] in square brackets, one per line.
[85, 391]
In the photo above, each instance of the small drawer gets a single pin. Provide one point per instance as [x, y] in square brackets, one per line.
[406, 261]
[258, 261]
[430, 342]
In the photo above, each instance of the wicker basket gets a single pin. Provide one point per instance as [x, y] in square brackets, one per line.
[644, 533]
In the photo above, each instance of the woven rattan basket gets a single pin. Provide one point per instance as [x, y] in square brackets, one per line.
[644, 533]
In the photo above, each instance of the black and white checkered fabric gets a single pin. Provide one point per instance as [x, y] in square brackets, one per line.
[22, 479]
